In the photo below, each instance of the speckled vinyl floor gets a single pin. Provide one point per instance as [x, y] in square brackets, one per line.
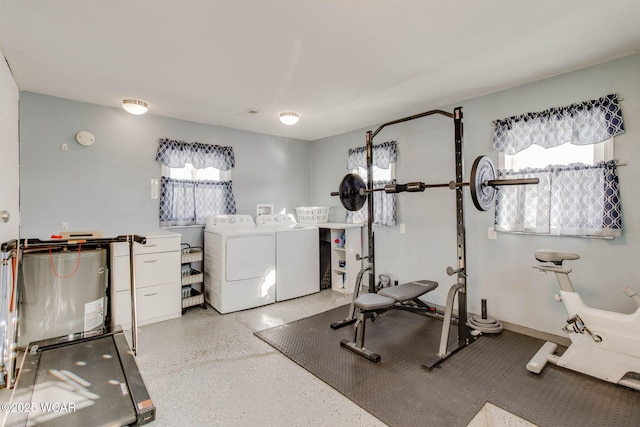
[207, 369]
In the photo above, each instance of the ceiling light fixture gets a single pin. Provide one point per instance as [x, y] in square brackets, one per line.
[134, 106]
[289, 118]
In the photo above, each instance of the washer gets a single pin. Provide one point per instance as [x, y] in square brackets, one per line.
[239, 263]
[297, 255]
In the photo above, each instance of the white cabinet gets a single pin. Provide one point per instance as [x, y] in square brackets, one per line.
[157, 266]
[346, 243]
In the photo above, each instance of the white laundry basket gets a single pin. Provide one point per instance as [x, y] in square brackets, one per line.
[314, 214]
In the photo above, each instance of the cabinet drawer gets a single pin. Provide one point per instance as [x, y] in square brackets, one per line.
[157, 268]
[158, 244]
[154, 244]
[154, 303]
[119, 249]
[157, 303]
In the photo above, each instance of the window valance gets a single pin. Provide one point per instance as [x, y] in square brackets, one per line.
[584, 123]
[382, 155]
[175, 154]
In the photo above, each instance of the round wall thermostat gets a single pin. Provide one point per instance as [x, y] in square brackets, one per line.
[85, 138]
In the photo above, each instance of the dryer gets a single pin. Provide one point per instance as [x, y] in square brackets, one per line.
[297, 255]
[239, 263]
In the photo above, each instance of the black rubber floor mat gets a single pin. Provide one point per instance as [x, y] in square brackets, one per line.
[401, 392]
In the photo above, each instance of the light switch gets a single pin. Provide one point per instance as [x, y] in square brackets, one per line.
[154, 188]
[491, 233]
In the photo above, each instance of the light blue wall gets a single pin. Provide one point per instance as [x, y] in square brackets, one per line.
[499, 270]
[107, 187]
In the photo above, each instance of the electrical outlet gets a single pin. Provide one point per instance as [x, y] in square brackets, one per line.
[403, 229]
[64, 147]
[65, 225]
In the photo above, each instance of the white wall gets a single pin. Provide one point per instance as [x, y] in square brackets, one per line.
[106, 186]
[9, 183]
[9, 176]
[499, 270]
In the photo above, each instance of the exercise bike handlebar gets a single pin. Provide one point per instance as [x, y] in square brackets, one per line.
[562, 271]
[632, 294]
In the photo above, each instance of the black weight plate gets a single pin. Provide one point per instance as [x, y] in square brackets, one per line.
[482, 171]
[350, 192]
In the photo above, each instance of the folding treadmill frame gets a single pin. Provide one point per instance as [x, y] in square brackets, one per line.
[25, 383]
[144, 410]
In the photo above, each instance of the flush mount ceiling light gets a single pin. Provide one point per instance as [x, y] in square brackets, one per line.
[289, 118]
[134, 106]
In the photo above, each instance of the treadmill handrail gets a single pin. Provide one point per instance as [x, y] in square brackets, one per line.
[89, 240]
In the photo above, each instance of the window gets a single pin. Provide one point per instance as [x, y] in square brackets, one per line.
[536, 156]
[384, 159]
[191, 173]
[196, 182]
[570, 150]
[379, 174]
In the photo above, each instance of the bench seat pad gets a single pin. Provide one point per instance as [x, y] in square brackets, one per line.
[409, 290]
[370, 302]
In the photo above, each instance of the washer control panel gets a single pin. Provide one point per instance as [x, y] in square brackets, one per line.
[277, 220]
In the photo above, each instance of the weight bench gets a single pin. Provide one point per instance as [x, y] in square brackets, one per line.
[406, 296]
[370, 305]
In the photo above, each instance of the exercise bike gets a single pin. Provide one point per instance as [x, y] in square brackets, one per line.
[604, 344]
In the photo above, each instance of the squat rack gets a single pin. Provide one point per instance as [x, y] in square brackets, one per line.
[460, 288]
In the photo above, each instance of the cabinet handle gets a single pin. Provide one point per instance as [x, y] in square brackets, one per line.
[150, 246]
[150, 261]
[150, 295]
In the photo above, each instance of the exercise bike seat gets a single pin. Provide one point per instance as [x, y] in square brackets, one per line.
[408, 291]
[556, 257]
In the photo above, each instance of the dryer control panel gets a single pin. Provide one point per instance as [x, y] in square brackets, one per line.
[239, 221]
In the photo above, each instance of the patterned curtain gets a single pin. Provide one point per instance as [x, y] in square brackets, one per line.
[190, 202]
[384, 205]
[576, 199]
[175, 154]
[571, 200]
[585, 123]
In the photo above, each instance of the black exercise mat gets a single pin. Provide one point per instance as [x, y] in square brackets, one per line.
[401, 392]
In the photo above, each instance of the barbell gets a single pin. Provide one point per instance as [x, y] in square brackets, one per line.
[353, 190]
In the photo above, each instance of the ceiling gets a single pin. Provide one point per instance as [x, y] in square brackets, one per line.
[341, 64]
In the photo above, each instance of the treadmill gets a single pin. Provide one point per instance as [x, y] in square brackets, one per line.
[83, 379]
